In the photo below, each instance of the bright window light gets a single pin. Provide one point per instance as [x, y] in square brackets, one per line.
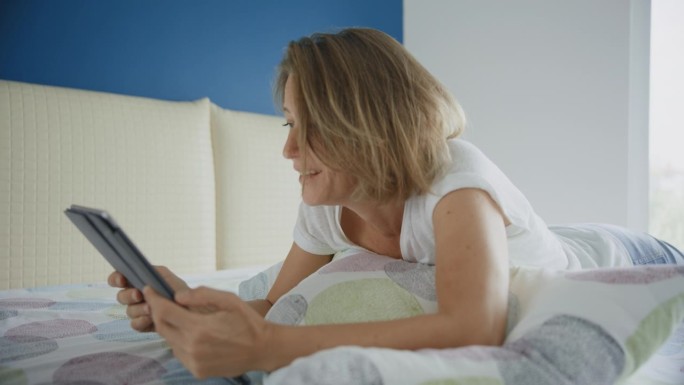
[666, 122]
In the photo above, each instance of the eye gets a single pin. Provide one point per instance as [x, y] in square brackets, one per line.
[288, 124]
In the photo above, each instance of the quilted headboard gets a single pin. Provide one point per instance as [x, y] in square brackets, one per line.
[257, 190]
[149, 162]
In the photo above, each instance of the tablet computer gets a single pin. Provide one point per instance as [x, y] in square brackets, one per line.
[112, 242]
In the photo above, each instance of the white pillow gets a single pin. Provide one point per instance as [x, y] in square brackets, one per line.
[585, 327]
[358, 288]
[638, 308]
[666, 366]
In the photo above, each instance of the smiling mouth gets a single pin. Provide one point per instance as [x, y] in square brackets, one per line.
[307, 175]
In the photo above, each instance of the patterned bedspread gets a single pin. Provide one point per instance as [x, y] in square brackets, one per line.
[603, 326]
[80, 334]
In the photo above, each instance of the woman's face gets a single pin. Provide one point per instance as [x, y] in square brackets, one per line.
[321, 185]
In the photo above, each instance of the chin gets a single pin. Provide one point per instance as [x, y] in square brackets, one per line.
[312, 202]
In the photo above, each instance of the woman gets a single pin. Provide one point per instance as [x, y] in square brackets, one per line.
[373, 137]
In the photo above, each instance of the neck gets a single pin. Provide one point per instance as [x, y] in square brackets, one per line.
[385, 219]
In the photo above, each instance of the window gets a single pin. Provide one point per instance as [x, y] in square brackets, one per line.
[666, 122]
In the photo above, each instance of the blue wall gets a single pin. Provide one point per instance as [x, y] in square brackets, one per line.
[171, 49]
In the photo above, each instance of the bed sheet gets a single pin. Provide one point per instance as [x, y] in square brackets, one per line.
[79, 334]
[564, 327]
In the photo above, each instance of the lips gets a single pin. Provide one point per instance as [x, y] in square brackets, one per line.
[307, 175]
[309, 172]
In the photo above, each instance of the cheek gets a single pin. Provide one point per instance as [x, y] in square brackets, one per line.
[344, 183]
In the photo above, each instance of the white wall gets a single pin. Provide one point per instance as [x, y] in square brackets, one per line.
[556, 93]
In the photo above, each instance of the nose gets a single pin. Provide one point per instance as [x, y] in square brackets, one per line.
[291, 148]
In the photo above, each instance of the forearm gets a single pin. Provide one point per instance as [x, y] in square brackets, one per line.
[286, 343]
[262, 306]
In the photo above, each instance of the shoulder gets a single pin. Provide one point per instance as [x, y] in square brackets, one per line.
[470, 168]
[466, 157]
[466, 205]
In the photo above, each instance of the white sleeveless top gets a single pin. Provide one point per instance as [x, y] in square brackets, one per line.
[530, 242]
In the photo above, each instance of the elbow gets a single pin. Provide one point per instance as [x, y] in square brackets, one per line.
[484, 337]
[492, 331]
[489, 331]
[495, 338]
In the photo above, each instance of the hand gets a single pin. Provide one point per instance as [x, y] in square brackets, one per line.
[136, 307]
[227, 342]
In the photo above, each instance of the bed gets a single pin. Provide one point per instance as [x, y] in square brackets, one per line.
[67, 334]
[224, 218]
[597, 326]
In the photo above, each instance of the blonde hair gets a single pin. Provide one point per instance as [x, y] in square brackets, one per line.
[366, 107]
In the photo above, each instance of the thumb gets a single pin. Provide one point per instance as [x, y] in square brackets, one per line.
[204, 297]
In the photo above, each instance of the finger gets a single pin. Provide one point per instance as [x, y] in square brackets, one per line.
[173, 280]
[204, 297]
[165, 312]
[166, 316]
[117, 279]
[142, 324]
[138, 310]
[129, 296]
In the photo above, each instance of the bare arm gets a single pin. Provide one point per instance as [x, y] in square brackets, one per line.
[261, 306]
[298, 265]
[472, 285]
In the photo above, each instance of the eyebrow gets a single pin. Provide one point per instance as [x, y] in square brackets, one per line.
[285, 109]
